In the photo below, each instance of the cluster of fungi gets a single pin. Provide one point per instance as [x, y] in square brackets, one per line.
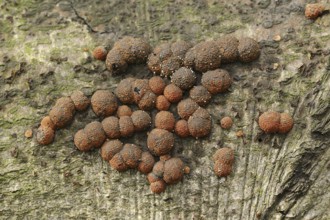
[179, 105]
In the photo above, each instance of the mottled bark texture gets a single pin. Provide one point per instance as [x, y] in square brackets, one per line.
[46, 53]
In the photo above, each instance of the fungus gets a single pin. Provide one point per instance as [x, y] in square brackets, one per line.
[148, 101]
[160, 141]
[126, 126]
[199, 124]
[162, 104]
[124, 110]
[47, 122]
[147, 162]
[45, 135]
[118, 163]
[80, 101]
[62, 113]
[228, 48]
[104, 103]
[269, 121]
[95, 134]
[248, 50]
[313, 11]
[173, 93]
[165, 120]
[124, 91]
[110, 148]
[186, 108]
[200, 95]
[203, 57]
[141, 120]
[131, 155]
[100, 53]
[157, 85]
[181, 128]
[158, 186]
[226, 122]
[139, 88]
[173, 170]
[81, 141]
[216, 81]
[111, 127]
[184, 78]
[286, 123]
[223, 160]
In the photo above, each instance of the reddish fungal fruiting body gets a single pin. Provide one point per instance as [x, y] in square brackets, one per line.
[104, 103]
[181, 128]
[286, 123]
[126, 126]
[186, 108]
[216, 81]
[110, 148]
[47, 122]
[62, 113]
[223, 161]
[165, 120]
[203, 57]
[126, 51]
[173, 170]
[95, 134]
[124, 91]
[184, 78]
[228, 48]
[158, 186]
[160, 141]
[199, 124]
[226, 122]
[141, 120]
[200, 95]
[162, 104]
[80, 101]
[313, 11]
[143, 96]
[148, 101]
[147, 162]
[173, 93]
[45, 135]
[124, 110]
[270, 121]
[111, 127]
[157, 85]
[248, 50]
[100, 53]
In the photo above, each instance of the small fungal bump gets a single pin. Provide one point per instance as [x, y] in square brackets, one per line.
[157, 85]
[216, 81]
[226, 122]
[100, 53]
[313, 11]
[162, 104]
[80, 100]
[269, 121]
[181, 128]
[286, 123]
[160, 141]
[28, 133]
[165, 120]
[110, 148]
[104, 103]
[173, 93]
[141, 120]
[45, 135]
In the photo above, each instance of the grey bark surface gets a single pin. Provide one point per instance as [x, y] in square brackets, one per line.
[45, 53]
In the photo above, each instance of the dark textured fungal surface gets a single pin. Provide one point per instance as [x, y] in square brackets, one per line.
[223, 160]
[186, 108]
[104, 103]
[200, 124]
[160, 141]
[165, 120]
[200, 95]
[63, 112]
[216, 81]
[111, 127]
[141, 120]
[124, 91]
[248, 50]
[184, 78]
[80, 101]
[173, 93]
[228, 48]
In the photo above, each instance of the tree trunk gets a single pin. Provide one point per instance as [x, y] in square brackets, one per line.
[46, 54]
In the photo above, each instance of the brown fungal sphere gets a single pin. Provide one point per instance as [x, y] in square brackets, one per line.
[158, 169]
[162, 104]
[165, 120]
[151, 177]
[111, 127]
[180, 48]
[216, 81]
[226, 122]
[95, 134]
[221, 169]
[131, 155]
[184, 78]
[286, 123]
[100, 53]
[170, 65]
[110, 148]
[148, 101]
[62, 113]
[126, 126]
[118, 163]
[157, 85]
[228, 48]
[154, 63]
[141, 120]
[173, 93]
[181, 128]
[186, 108]
[115, 62]
[104, 103]
[47, 122]
[124, 91]
[248, 50]
[81, 102]
[147, 162]
[203, 57]
[140, 87]
[173, 170]
[45, 135]
[160, 141]
[200, 95]
[158, 186]
[81, 141]
[224, 155]
[199, 124]
[313, 11]
[124, 110]
[269, 121]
